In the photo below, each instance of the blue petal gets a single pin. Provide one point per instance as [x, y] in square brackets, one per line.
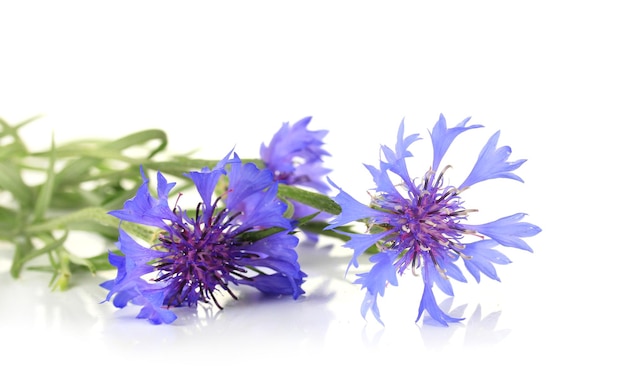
[206, 179]
[395, 160]
[262, 209]
[276, 252]
[492, 164]
[137, 254]
[294, 155]
[359, 243]
[382, 273]
[153, 310]
[452, 270]
[125, 290]
[376, 280]
[482, 257]
[508, 230]
[243, 180]
[122, 297]
[442, 137]
[118, 262]
[143, 208]
[277, 284]
[429, 304]
[163, 188]
[432, 274]
[351, 210]
[370, 304]
[128, 282]
[382, 180]
[312, 175]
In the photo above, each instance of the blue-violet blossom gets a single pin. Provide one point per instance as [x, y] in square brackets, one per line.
[295, 156]
[195, 256]
[421, 224]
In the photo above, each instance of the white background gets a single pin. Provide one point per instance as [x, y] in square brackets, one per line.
[215, 75]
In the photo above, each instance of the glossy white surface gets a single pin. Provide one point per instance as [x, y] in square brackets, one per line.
[217, 74]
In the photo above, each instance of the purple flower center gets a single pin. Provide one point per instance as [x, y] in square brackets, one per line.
[426, 225]
[203, 254]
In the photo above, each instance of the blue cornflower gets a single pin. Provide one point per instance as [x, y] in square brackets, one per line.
[295, 156]
[421, 224]
[211, 250]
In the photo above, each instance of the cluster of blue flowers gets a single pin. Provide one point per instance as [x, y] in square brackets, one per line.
[240, 233]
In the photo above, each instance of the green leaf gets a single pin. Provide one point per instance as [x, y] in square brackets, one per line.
[319, 227]
[75, 171]
[259, 234]
[65, 221]
[93, 160]
[25, 252]
[45, 194]
[22, 247]
[317, 201]
[11, 180]
[11, 150]
[307, 219]
[112, 149]
[84, 262]
[140, 138]
[7, 217]
[101, 262]
[6, 129]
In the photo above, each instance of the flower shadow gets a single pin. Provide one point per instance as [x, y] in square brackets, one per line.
[436, 336]
[478, 331]
[481, 331]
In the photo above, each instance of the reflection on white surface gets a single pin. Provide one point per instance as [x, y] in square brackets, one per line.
[509, 329]
[327, 316]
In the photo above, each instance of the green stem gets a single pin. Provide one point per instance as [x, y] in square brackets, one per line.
[94, 214]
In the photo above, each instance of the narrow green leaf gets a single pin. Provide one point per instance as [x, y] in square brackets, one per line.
[91, 214]
[318, 201]
[75, 171]
[41, 268]
[61, 278]
[83, 262]
[106, 232]
[11, 180]
[140, 138]
[12, 129]
[10, 150]
[7, 214]
[22, 246]
[26, 253]
[95, 264]
[307, 219]
[45, 193]
[8, 224]
[112, 150]
[319, 227]
[259, 234]
[99, 152]
[7, 129]
[101, 262]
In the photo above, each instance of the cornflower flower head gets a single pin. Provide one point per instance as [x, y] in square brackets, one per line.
[195, 256]
[295, 156]
[421, 224]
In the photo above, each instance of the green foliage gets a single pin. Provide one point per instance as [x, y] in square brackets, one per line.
[78, 182]
[75, 184]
